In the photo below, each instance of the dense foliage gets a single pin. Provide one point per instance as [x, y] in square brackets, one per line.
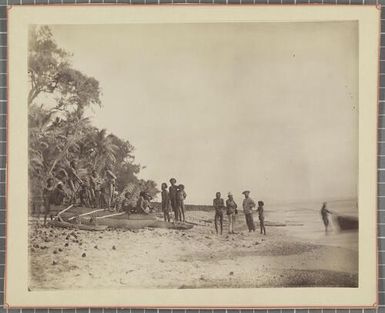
[58, 129]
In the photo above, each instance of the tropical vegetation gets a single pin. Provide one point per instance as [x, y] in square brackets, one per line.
[60, 131]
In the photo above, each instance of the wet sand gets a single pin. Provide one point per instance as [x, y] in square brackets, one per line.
[197, 258]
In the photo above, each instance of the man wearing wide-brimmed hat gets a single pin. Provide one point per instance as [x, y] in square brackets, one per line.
[248, 205]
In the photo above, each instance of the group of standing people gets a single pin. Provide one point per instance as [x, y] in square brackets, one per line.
[93, 190]
[89, 191]
[173, 198]
[231, 210]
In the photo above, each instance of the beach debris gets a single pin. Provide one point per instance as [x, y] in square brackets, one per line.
[84, 255]
[256, 243]
[55, 251]
[113, 248]
[95, 246]
[161, 261]
[54, 262]
[66, 244]
[60, 249]
[231, 273]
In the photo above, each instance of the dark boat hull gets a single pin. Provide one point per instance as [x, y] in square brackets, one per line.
[347, 222]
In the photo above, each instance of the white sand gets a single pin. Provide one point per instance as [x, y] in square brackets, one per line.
[196, 258]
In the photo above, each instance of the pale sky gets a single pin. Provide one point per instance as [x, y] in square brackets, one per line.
[269, 107]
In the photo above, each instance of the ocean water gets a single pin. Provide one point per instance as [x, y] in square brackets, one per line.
[304, 222]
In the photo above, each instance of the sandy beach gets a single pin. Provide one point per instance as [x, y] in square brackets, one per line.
[296, 255]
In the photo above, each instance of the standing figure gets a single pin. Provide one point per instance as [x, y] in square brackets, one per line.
[165, 203]
[248, 205]
[325, 215]
[110, 180]
[231, 207]
[104, 195]
[58, 194]
[116, 203]
[261, 216]
[47, 196]
[74, 180]
[95, 185]
[172, 193]
[84, 194]
[180, 197]
[218, 205]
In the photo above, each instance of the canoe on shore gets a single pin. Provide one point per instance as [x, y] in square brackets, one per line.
[99, 219]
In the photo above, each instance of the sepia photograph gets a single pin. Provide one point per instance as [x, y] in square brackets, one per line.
[193, 163]
[194, 156]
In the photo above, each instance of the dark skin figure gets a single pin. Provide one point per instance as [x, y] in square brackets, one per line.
[47, 192]
[218, 204]
[325, 216]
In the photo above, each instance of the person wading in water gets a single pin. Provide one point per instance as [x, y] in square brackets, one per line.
[325, 216]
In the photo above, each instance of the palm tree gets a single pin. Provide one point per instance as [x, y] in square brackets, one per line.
[104, 150]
